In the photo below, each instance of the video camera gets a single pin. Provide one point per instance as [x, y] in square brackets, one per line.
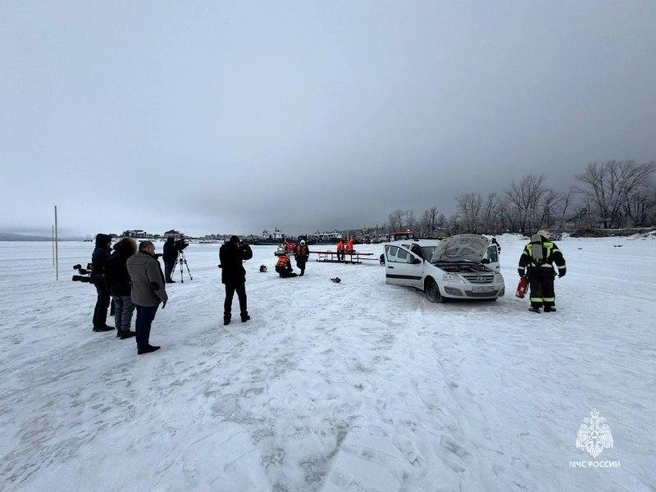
[84, 274]
[181, 244]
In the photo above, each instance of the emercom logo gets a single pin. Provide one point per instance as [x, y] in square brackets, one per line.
[594, 436]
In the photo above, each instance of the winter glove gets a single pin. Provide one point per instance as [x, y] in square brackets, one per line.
[562, 273]
[163, 304]
[521, 273]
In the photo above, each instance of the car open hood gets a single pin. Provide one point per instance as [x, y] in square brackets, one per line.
[462, 247]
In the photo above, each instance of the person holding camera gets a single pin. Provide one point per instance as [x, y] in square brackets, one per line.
[233, 276]
[99, 259]
[170, 257]
[148, 291]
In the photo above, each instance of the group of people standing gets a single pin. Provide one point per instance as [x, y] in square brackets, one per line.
[134, 280]
[284, 264]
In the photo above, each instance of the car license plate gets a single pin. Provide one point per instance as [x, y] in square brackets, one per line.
[483, 288]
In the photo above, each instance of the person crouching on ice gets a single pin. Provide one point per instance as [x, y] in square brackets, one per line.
[537, 262]
[284, 267]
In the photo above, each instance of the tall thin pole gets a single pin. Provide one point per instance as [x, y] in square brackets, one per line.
[56, 248]
[52, 242]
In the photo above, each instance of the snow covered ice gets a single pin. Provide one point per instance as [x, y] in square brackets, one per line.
[356, 386]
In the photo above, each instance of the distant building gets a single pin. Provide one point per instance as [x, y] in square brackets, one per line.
[135, 233]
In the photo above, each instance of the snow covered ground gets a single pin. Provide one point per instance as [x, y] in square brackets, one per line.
[356, 386]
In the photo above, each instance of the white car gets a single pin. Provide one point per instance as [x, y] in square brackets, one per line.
[465, 266]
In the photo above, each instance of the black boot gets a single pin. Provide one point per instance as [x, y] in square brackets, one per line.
[148, 349]
[245, 317]
[126, 334]
[103, 328]
[226, 320]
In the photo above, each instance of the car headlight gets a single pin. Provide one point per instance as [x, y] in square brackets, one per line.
[450, 277]
[498, 278]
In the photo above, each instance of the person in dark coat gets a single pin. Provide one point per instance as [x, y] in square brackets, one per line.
[537, 262]
[494, 241]
[148, 291]
[98, 269]
[170, 257]
[233, 276]
[118, 280]
[301, 255]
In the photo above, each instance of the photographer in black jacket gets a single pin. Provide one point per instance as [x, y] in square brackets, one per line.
[170, 257]
[99, 265]
[233, 275]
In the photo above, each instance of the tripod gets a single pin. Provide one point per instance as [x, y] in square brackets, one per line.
[183, 259]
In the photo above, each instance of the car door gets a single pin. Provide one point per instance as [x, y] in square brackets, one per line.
[403, 267]
[492, 255]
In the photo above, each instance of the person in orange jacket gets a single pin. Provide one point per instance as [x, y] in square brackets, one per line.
[301, 254]
[349, 245]
[284, 267]
[340, 250]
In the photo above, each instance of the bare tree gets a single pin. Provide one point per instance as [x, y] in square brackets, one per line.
[469, 208]
[565, 204]
[409, 220]
[547, 208]
[395, 220]
[611, 185]
[428, 221]
[641, 205]
[489, 212]
[524, 198]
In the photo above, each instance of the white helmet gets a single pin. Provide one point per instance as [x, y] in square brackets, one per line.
[544, 233]
[302, 241]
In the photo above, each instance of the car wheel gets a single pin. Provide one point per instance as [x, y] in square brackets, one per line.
[432, 291]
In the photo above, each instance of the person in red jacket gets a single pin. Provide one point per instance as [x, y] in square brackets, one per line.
[340, 250]
[349, 245]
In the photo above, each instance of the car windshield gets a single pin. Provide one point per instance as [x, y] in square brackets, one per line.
[428, 251]
[463, 247]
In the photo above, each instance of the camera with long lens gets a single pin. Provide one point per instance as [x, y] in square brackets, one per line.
[84, 274]
[180, 244]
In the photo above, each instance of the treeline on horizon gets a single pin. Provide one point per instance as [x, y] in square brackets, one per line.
[611, 195]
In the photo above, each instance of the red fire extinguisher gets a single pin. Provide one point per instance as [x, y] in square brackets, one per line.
[522, 287]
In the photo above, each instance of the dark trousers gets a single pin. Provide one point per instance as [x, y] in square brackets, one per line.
[169, 269]
[145, 317]
[300, 263]
[102, 304]
[230, 289]
[541, 281]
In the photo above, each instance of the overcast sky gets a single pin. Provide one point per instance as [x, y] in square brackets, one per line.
[236, 116]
